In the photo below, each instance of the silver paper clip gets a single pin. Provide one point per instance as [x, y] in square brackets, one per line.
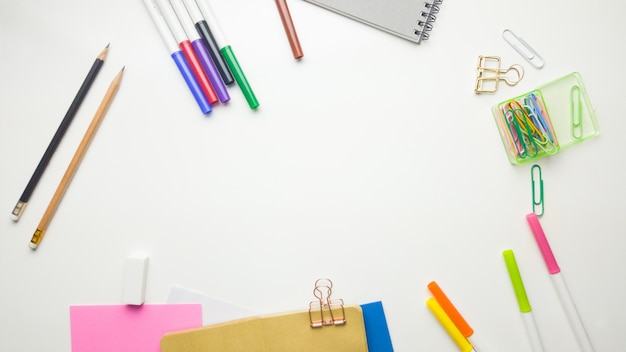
[523, 48]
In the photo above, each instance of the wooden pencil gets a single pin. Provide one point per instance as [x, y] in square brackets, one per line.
[75, 162]
[58, 135]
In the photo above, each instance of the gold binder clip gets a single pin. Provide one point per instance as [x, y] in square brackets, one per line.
[325, 311]
[490, 74]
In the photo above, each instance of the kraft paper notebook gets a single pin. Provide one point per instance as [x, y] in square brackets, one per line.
[408, 19]
[284, 332]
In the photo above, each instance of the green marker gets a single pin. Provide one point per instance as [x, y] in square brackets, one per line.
[227, 53]
[522, 301]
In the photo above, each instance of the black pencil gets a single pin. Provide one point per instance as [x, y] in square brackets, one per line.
[56, 139]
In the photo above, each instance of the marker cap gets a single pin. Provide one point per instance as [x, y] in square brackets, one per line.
[516, 281]
[450, 309]
[187, 74]
[542, 242]
[447, 324]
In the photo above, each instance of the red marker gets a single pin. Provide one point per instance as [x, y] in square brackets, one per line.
[188, 52]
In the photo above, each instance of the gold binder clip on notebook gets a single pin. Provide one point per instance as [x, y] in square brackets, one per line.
[325, 311]
[490, 74]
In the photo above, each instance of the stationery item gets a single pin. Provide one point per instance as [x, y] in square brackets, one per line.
[203, 29]
[576, 112]
[325, 311]
[278, 332]
[522, 301]
[177, 55]
[527, 123]
[135, 277]
[489, 74]
[75, 162]
[290, 29]
[126, 328]
[408, 19]
[535, 174]
[555, 115]
[227, 52]
[464, 328]
[559, 284]
[188, 51]
[58, 135]
[448, 325]
[376, 330]
[341, 329]
[523, 48]
[214, 311]
[201, 50]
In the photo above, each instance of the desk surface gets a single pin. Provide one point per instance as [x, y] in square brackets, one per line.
[371, 162]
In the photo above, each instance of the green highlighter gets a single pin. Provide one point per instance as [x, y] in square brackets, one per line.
[522, 300]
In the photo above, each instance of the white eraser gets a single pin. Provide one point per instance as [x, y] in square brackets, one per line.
[135, 276]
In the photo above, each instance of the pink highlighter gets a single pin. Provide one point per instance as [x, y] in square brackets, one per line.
[559, 284]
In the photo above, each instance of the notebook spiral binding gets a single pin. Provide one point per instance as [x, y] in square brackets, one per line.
[425, 25]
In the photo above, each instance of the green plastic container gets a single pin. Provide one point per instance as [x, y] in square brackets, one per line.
[544, 121]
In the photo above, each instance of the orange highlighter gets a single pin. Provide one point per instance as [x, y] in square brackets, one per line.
[456, 317]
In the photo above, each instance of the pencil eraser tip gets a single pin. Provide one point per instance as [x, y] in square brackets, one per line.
[135, 277]
[32, 245]
[18, 210]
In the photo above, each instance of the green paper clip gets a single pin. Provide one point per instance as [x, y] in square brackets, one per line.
[537, 193]
[576, 112]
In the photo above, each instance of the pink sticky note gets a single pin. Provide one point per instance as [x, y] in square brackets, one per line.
[128, 328]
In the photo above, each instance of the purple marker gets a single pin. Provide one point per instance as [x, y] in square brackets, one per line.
[201, 50]
[177, 55]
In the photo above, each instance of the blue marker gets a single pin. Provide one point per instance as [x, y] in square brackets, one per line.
[177, 55]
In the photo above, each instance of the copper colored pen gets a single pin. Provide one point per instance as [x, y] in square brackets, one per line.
[290, 30]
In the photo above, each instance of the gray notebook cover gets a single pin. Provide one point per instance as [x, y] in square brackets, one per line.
[408, 19]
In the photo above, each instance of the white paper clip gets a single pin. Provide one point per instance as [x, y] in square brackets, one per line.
[523, 48]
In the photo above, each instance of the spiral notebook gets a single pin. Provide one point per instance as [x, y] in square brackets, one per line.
[408, 19]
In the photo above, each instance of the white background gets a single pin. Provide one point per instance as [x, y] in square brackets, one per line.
[371, 162]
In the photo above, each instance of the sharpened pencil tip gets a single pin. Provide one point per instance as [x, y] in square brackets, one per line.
[123, 67]
[107, 45]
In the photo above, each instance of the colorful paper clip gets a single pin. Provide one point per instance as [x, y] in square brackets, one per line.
[325, 311]
[490, 74]
[535, 174]
[528, 125]
[523, 48]
[576, 112]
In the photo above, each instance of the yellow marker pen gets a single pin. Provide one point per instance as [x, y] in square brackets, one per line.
[447, 324]
[456, 317]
